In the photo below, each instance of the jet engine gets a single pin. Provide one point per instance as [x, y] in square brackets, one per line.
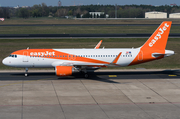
[64, 70]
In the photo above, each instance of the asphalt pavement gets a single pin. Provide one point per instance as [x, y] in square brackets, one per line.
[106, 94]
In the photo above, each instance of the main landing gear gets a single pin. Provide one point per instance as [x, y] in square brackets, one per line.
[26, 73]
[86, 75]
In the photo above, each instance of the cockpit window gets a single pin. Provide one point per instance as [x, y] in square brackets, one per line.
[14, 56]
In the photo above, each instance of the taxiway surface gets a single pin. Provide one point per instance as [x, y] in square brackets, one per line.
[137, 94]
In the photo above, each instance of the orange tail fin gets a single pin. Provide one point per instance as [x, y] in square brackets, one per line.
[158, 39]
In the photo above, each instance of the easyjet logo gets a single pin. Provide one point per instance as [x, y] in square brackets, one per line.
[42, 53]
[159, 34]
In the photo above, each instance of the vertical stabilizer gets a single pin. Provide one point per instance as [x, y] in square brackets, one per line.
[158, 39]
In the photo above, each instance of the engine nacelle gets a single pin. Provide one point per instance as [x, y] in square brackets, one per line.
[64, 70]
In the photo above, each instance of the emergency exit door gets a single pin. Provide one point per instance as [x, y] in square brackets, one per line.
[25, 56]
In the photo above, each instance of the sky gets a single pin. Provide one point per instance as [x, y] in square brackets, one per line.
[14, 3]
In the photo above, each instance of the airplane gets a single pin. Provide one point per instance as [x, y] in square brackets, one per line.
[68, 61]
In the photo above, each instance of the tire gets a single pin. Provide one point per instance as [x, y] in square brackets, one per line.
[25, 75]
[86, 75]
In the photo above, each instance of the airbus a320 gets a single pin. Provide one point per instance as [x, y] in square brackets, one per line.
[67, 61]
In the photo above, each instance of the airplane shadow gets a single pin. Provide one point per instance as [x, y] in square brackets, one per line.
[104, 76]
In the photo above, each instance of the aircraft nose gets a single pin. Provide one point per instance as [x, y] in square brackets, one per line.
[5, 62]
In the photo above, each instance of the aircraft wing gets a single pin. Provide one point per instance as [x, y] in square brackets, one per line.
[86, 64]
[59, 63]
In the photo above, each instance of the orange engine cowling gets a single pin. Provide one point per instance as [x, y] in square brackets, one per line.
[64, 70]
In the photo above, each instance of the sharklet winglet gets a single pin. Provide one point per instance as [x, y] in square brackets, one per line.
[98, 45]
[116, 59]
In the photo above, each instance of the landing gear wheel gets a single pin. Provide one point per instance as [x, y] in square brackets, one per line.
[86, 75]
[25, 75]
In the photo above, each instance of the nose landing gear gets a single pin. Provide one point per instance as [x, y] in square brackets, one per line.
[26, 73]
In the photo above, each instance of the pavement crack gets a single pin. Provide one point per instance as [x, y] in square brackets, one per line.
[22, 100]
[133, 102]
[177, 87]
[95, 100]
[159, 94]
[58, 99]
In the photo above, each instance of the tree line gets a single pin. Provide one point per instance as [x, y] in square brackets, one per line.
[123, 11]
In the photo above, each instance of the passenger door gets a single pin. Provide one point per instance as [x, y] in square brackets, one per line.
[25, 56]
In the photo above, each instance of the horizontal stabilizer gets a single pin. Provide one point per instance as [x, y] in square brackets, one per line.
[157, 55]
[166, 54]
